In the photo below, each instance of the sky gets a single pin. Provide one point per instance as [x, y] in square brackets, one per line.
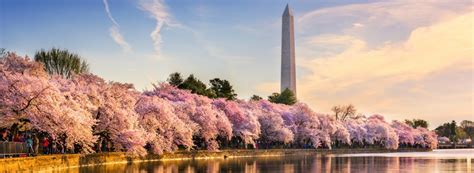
[402, 59]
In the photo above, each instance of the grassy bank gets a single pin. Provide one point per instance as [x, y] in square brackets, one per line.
[56, 162]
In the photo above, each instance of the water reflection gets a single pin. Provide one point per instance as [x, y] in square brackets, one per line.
[291, 164]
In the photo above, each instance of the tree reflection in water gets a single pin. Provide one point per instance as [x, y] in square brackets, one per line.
[291, 164]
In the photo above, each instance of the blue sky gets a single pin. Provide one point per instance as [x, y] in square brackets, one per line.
[228, 29]
[374, 54]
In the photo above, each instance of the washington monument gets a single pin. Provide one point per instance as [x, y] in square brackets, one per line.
[288, 79]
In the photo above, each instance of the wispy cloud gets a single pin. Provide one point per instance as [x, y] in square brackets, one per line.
[118, 38]
[115, 32]
[158, 11]
[107, 10]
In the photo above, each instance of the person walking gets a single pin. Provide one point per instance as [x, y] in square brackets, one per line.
[29, 145]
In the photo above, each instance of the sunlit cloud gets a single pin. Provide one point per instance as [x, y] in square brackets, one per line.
[392, 78]
[382, 21]
[423, 73]
[115, 32]
[358, 25]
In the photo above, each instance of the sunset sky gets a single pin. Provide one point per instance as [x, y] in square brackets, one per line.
[402, 59]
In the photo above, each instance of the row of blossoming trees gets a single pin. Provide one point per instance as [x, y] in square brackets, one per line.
[81, 109]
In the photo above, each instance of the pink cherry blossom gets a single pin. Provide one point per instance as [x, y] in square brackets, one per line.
[166, 132]
[84, 108]
[380, 131]
[404, 132]
[244, 123]
[356, 129]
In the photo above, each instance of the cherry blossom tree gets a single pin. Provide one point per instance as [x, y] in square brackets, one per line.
[272, 126]
[326, 129]
[341, 135]
[166, 132]
[419, 136]
[431, 139]
[244, 123]
[357, 130]
[426, 138]
[404, 132]
[28, 97]
[381, 132]
[84, 108]
[117, 119]
[306, 126]
[212, 122]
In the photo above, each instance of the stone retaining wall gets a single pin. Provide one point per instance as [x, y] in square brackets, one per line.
[57, 162]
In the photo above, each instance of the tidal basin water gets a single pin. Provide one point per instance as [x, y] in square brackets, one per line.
[458, 160]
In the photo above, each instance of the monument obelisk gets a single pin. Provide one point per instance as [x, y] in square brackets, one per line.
[288, 72]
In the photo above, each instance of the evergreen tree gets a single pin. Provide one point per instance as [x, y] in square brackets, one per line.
[175, 79]
[452, 131]
[222, 89]
[196, 86]
[274, 97]
[286, 97]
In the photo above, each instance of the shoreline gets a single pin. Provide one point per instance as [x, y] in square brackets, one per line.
[66, 161]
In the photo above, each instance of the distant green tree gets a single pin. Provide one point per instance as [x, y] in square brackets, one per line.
[468, 127]
[196, 86]
[452, 131]
[274, 97]
[417, 123]
[460, 133]
[409, 122]
[444, 130]
[61, 62]
[219, 88]
[255, 98]
[286, 97]
[222, 89]
[175, 79]
[467, 123]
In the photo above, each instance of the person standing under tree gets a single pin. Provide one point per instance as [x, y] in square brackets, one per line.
[45, 144]
[29, 145]
[4, 136]
[36, 143]
[54, 149]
